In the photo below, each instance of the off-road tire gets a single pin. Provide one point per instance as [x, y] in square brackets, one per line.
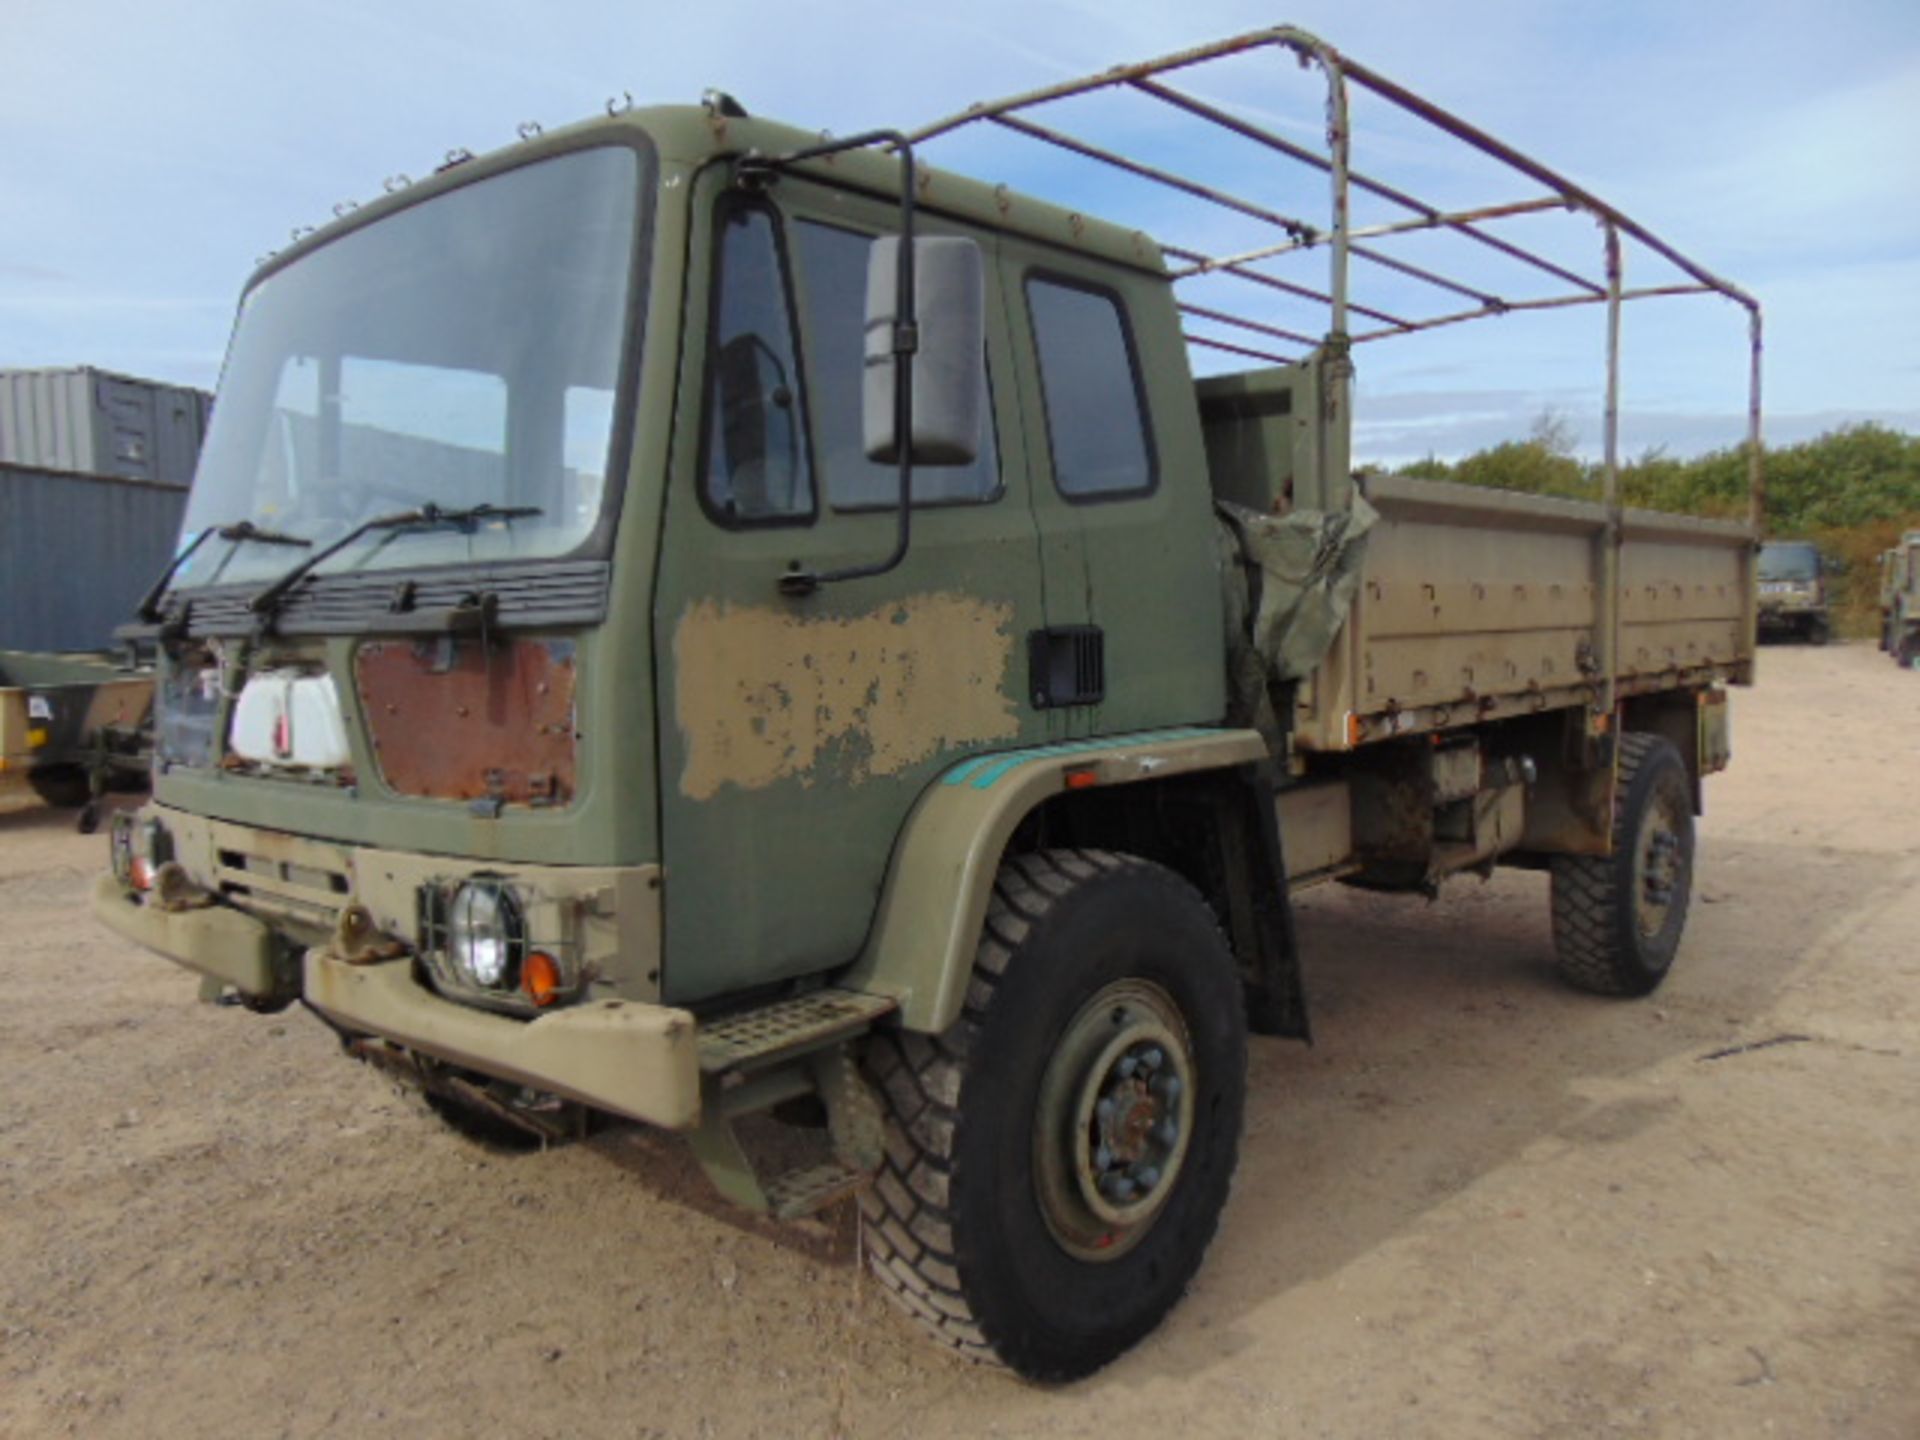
[1598, 938]
[954, 1226]
[64, 787]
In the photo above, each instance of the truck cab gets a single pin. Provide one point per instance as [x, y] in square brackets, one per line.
[640, 383]
[1792, 576]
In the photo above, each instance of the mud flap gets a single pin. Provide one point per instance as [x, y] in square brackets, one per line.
[1234, 820]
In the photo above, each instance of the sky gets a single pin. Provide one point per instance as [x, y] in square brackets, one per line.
[152, 155]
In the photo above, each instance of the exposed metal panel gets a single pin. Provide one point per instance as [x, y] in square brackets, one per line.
[76, 554]
[94, 422]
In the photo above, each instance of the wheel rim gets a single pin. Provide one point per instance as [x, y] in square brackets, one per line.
[1660, 861]
[1113, 1120]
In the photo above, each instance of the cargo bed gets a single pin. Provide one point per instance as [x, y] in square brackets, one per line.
[1480, 604]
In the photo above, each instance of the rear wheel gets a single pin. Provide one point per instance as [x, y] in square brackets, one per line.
[1057, 1161]
[1617, 919]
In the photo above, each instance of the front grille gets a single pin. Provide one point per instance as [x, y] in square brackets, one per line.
[527, 593]
[313, 892]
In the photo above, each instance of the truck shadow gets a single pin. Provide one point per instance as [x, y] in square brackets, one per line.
[663, 1164]
[1446, 1045]
[39, 819]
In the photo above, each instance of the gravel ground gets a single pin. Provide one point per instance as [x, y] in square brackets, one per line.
[1481, 1205]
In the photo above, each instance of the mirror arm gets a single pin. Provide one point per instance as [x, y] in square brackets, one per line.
[906, 341]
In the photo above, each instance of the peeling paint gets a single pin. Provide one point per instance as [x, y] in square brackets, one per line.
[763, 694]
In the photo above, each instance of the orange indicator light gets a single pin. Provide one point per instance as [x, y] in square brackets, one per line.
[540, 978]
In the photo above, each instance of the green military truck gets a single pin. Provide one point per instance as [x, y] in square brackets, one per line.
[691, 620]
[1900, 601]
[1793, 591]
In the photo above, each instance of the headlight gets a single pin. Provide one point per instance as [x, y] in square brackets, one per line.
[139, 848]
[485, 936]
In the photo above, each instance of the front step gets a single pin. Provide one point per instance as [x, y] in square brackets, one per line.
[751, 1039]
[802, 1192]
[755, 1059]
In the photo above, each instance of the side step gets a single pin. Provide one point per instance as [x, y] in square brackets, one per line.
[755, 1059]
[753, 1039]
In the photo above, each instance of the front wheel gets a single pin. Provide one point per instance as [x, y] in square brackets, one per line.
[1057, 1161]
[1617, 919]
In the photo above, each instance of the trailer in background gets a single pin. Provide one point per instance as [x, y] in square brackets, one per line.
[72, 727]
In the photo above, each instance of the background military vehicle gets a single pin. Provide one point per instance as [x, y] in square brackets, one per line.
[574, 714]
[72, 727]
[1793, 591]
[1900, 600]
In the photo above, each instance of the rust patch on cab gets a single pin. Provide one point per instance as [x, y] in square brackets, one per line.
[468, 720]
[763, 694]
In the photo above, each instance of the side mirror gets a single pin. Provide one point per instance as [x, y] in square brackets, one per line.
[950, 312]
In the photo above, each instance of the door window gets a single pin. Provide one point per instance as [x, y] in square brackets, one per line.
[1096, 423]
[756, 469]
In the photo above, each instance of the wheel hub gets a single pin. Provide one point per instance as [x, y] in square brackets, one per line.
[1136, 1124]
[1112, 1120]
[1660, 863]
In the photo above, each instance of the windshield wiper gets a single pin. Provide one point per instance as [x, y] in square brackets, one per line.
[236, 533]
[268, 602]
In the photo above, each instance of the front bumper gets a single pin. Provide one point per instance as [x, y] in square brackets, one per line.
[635, 1059]
[616, 1048]
[217, 941]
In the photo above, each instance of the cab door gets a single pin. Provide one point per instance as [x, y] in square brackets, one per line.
[1120, 491]
[796, 732]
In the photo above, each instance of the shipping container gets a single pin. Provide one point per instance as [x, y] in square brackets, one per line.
[95, 422]
[77, 552]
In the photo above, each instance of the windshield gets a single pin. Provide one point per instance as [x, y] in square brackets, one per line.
[1789, 562]
[461, 352]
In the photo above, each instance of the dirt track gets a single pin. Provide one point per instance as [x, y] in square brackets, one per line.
[1481, 1206]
